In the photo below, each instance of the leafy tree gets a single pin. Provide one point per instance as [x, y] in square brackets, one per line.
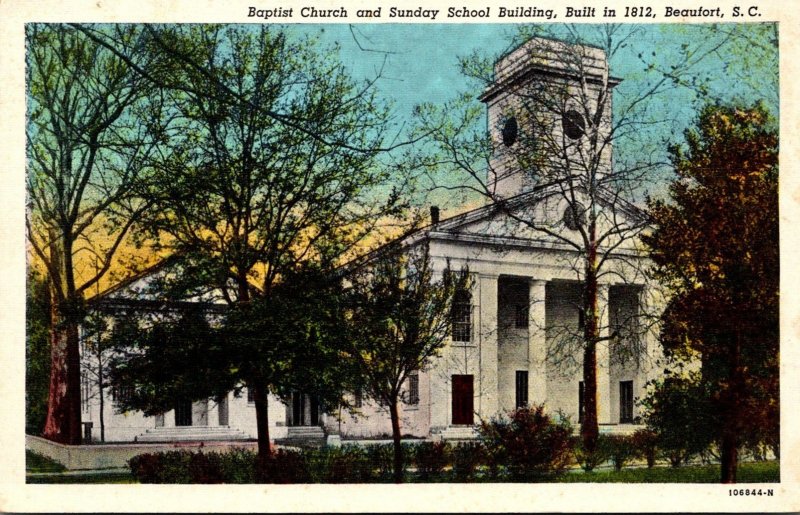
[37, 353]
[716, 247]
[399, 319]
[89, 137]
[272, 164]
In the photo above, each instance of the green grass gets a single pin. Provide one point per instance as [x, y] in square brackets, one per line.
[62, 479]
[38, 463]
[755, 472]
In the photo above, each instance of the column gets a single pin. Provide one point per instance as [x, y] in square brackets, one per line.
[487, 339]
[537, 344]
[603, 358]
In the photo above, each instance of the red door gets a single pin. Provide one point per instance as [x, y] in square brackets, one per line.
[462, 400]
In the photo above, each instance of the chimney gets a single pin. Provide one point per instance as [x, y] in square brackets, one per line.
[434, 215]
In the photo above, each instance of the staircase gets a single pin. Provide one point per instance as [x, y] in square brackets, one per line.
[459, 433]
[304, 436]
[192, 434]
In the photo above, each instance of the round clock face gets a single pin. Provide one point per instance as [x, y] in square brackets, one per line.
[574, 216]
[574, 124]
[509, 131]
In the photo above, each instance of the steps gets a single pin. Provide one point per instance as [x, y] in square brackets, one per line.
[304, 436]
[192, 434]
[459, 433]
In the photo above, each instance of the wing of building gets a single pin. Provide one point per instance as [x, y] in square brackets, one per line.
[517, 336]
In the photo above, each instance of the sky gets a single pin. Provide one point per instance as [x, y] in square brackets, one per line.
[420, 63]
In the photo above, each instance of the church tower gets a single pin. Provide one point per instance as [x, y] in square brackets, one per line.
[549, 115]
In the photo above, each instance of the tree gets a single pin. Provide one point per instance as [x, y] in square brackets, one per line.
[716, 247]
[89, 136]
[37, 352]
[399, 319]
[272, 166]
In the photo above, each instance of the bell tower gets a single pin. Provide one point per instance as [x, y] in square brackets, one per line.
[548, 115]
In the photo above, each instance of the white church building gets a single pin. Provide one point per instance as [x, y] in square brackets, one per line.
[515, 341]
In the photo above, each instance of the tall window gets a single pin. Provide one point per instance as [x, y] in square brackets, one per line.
[121, 393]
[581, 402]
[461, 316]
[522, 388]
[84, 393]
[358, 398]
[251, 395]
[626, 402]
[413, 389]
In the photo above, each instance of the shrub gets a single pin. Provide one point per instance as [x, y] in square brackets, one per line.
[644, 443]
[179, 467]
[622, 450]
[347, 464]
[381, 459]
[591, 460]
[283, 467]
[466, 459]
[528, 442]
[238, 466]
[678, 410]
[430, 458]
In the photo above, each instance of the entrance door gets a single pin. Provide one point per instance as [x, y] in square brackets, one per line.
[304, 410]
[222, 410]
[298, 409]
[462, 400]
[183, 413]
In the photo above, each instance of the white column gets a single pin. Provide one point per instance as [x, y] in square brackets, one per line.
[603, 358]
[487, 338]
[537, 344]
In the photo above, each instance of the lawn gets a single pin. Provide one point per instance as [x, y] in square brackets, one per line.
[38, 463]
[753, 472]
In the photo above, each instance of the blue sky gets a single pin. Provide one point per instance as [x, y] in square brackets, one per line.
[423, 66]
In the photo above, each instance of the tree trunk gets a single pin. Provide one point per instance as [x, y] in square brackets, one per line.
[100, 393]
[589, 428]
[398, 448]
[63, 423]
[729, 458]
[730, 418]
[262, 421]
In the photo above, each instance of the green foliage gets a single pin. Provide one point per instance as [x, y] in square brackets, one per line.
[716, 246]
[37, 353]
[431, 458]
[467, 457]
[622, 449]
[381, 457]
[398, 320]
[758, 472]
[645, 443]
[346, 464]
[678, 411]
[35, 462]
[179, 357]
[527, 443]
[590, 460]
